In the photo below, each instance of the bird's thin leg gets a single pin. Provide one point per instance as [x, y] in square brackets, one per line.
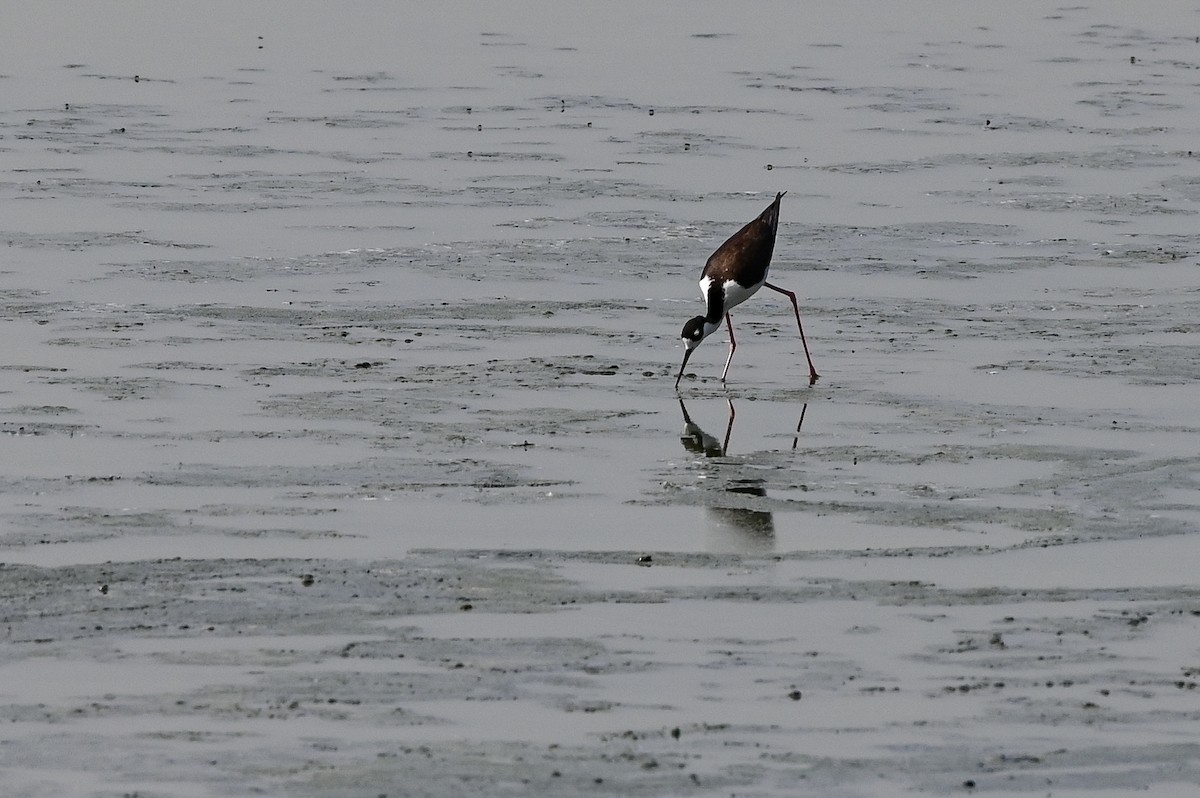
[812, 372]
[732, 346]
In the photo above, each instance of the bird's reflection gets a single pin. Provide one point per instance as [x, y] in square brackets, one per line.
[732, 528]
[697, 440]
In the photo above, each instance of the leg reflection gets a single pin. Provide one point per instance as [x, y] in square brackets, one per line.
[799, 424]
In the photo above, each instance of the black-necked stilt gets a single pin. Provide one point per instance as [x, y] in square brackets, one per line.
[732, 275]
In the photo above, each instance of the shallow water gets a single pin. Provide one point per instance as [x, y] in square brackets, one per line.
[343, 451]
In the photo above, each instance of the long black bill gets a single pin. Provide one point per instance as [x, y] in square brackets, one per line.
[686, 354]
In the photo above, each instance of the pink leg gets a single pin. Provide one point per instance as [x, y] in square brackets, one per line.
[812, 372]
[732, 346]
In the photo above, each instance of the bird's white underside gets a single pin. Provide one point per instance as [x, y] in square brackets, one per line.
[735, 293]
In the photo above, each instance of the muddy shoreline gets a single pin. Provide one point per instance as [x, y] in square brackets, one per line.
[342, 455]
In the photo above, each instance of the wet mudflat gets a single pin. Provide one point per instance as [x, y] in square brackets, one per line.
[342, 455]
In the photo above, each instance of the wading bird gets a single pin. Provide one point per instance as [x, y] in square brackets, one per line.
[731, 276]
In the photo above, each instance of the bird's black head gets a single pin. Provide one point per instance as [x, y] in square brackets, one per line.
[693, 332]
